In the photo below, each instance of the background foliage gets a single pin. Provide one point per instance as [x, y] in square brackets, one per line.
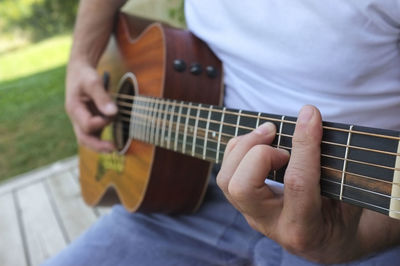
[34, 129]
[38, 18]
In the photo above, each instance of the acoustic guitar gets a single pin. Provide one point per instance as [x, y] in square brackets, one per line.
[171, 128]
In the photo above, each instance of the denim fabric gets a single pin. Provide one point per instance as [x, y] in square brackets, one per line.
[216, 235]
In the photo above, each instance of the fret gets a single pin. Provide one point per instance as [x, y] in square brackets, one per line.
[219, 135]
[186, 128]
[362, 171]
[230, 120]
[171, 119]
[330, 136]
[258, 119]
[275, 119]
[395, 193]
[195, 130]
[364, 198]
[160, 112]
[177, 127]
[146, 114]
[153, 121]
[280, 132]
[358, 165]
[206, 134]
[335, 137]
[143, 115]
[134, 124]
[377, 165]
[212, 134]
[287, 131]
[237, 123]
[164, 121]
[345, 162]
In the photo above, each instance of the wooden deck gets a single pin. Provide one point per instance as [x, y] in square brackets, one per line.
[42, 211]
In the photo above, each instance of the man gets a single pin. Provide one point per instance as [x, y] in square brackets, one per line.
[341, 56]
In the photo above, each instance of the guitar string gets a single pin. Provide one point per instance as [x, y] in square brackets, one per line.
[289, 148]
[324, 142]
[366, 203]
[327, 155]
[151, 99]
[250, 129]
[322, 178]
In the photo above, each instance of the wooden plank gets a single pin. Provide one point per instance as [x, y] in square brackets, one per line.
[75, 172]
[44, 236]
[76, 216]
[11, 243]
[98, 211]
[38, 174]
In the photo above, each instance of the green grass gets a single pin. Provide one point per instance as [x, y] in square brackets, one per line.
[34, 129]
[35, 58]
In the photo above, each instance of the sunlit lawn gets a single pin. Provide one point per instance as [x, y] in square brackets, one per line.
[34, 129]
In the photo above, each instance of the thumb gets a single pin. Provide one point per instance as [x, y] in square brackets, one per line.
[96, 91]
[302, 198]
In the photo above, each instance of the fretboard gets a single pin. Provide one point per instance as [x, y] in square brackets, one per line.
[359, 165]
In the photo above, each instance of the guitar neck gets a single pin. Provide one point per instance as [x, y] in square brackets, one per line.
[359, 165]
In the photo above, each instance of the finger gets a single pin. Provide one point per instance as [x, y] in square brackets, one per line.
[264, 134]
[302, 189]
[247, 187]
[95, 90]
[87, 122]
[93, 142]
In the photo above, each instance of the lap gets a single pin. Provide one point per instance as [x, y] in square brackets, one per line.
[216, 235]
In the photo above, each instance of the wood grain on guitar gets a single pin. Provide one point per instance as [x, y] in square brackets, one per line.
[170, 129]
[148, 178]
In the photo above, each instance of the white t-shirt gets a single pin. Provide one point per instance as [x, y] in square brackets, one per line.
[342, 56]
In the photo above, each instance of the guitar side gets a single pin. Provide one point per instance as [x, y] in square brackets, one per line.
[148, 178]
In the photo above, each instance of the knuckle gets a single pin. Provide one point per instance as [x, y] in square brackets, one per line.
[237, 192]
[232, 143]
[260, 150]
[92, 81]
[294, 181]
[299, 140]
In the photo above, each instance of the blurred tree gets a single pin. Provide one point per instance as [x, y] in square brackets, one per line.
[177, 12]
[38, 18]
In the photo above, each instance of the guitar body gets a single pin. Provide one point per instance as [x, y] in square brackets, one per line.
[144, 177]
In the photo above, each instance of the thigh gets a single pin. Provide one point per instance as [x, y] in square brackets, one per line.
[216, 235]
[267, 252]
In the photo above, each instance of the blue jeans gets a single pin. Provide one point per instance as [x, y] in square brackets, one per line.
[216, 235]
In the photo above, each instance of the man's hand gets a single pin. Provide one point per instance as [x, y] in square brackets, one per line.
[302, 221]
[87, 103]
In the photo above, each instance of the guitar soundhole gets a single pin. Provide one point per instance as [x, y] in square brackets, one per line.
[126, 91]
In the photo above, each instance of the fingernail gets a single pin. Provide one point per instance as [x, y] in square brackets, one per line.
[283, 152]
[265, 128]
[110, 108]
[305, 114]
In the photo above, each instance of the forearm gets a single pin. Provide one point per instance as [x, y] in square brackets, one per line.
[94, 24]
